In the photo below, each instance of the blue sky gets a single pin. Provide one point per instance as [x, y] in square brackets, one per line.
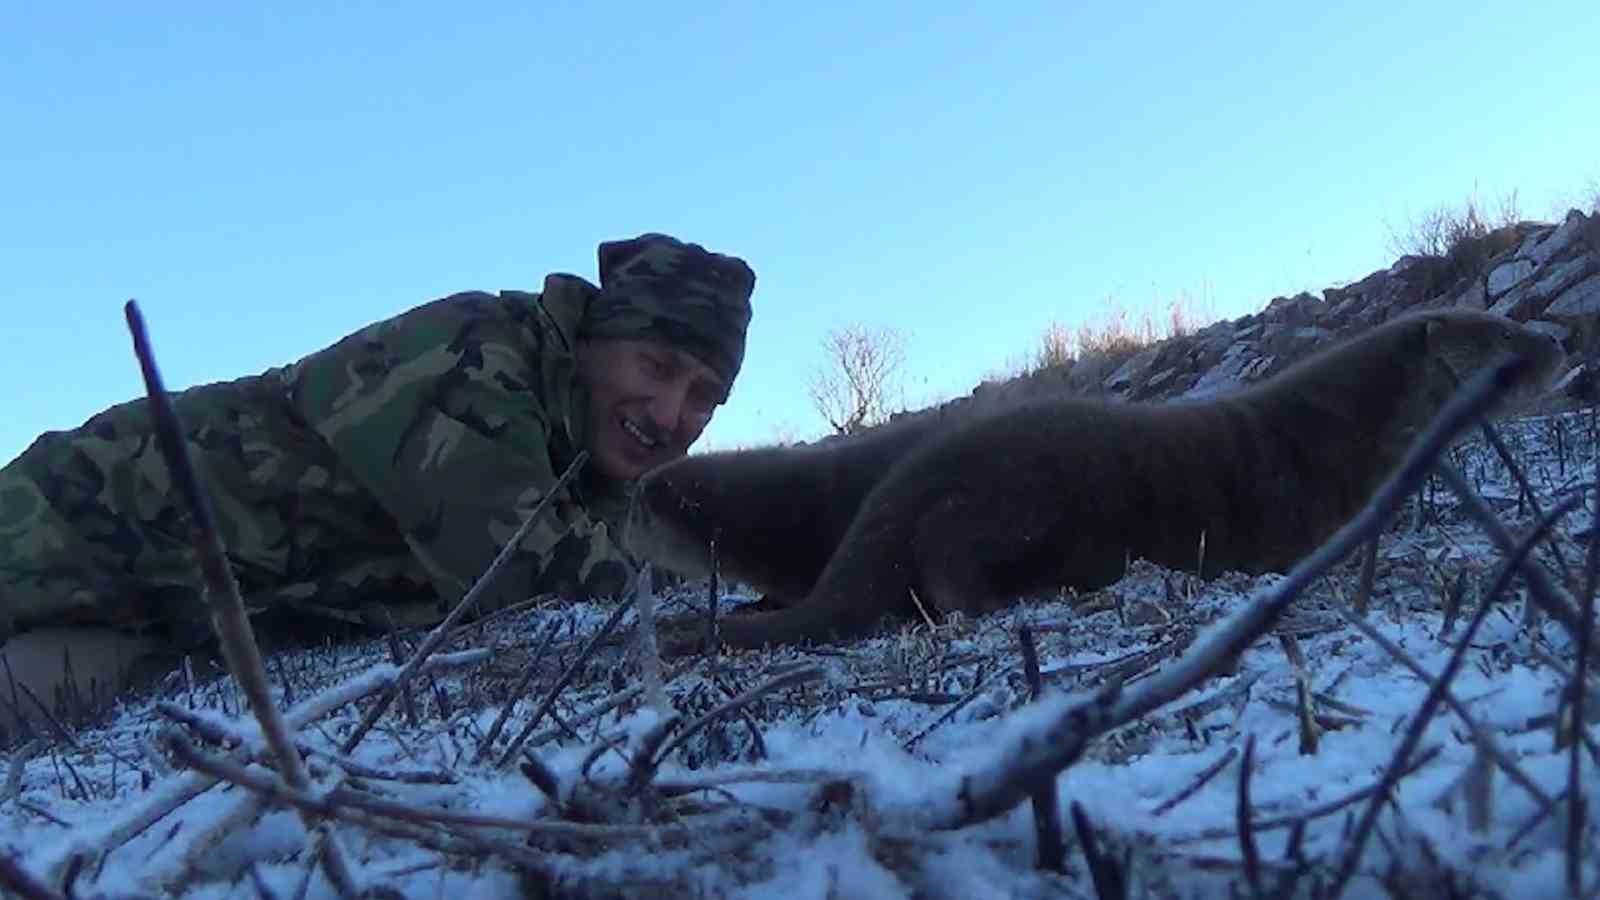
[267, 178]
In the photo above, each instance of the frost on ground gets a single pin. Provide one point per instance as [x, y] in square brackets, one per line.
[499, 775]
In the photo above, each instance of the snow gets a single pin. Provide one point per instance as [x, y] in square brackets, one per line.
[870, 754]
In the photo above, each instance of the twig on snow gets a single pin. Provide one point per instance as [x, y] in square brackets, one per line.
[468, 601]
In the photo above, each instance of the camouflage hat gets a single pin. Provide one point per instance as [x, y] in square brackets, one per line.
[655, 286]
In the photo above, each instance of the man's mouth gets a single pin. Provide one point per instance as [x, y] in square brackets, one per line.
[649, 443]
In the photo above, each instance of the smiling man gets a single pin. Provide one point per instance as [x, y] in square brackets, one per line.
[375, 480]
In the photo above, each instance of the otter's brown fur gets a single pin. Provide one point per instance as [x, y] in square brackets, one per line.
[776, 513]
[1063, 492]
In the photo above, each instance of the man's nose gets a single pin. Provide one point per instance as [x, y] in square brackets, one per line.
[667, 406]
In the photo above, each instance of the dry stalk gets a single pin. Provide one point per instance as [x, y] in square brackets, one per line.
[1059, 731]
[1310, 731]
[1110, 876]
[1577, 818]
[1241, 812]
[228, 616]
[649, 655]
[1051, 847]
[1369, 574]
[468, 601]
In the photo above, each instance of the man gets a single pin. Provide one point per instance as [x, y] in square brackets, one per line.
[375, 480]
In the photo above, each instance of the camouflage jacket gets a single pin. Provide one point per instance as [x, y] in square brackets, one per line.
[386, 470]
[458, 416]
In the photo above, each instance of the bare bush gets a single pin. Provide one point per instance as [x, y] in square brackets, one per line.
[1445, 230]
[853, 387]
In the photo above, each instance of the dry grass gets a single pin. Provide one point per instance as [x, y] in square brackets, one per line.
[1116, 333]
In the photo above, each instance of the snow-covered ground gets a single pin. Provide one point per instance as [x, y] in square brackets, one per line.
[832, 785]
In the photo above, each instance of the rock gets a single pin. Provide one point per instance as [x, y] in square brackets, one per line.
[1474, 297]
[1577, 385]
[1532, 296]
[1133, 369]
[1301, 309]
[1292, 343]
[1557, 241]
[1555, 330]
[1224, 376]
[1578, 301]
[1507, 275]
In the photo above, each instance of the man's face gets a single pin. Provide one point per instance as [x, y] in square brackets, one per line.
[648, 401]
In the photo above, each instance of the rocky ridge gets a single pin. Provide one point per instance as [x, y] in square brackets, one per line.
[1541, 273]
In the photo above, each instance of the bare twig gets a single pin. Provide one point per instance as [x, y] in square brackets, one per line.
[175, 793]
[1424, 715]
[528, 672]
[1548, 595]
[468, 601]
[1321, 810]
[550, 696]
[1480, 735]
[1492, 436]
[223, 732]
[1110, 877]
[228, 616]
[337, 802]
[1057, 738]
[787, 679]
[1200, 781]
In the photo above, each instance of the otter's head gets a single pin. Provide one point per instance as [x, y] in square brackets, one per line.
[1461, 342]
[670, 521]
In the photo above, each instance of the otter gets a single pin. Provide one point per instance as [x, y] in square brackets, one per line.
[1062, 492]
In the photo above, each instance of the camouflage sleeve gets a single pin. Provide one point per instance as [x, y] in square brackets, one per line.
[439, 413]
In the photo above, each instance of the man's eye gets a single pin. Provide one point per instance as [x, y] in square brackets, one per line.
[654, 367]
